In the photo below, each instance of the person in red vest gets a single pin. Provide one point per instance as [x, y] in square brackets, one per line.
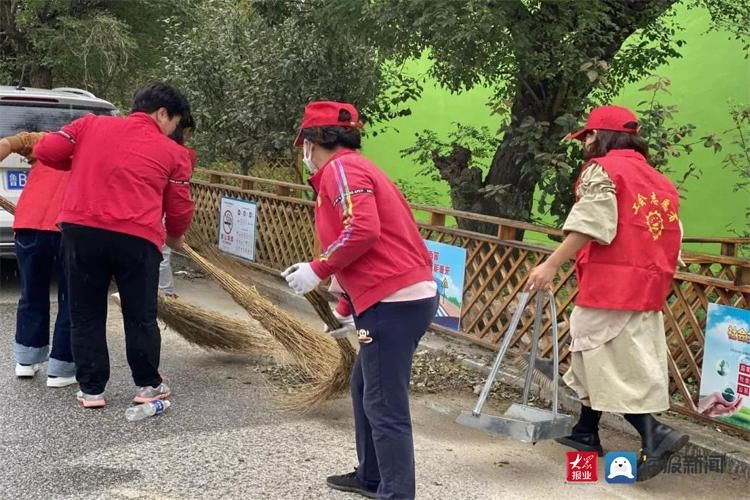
[37, 245]
[624, 232]
[379, 260]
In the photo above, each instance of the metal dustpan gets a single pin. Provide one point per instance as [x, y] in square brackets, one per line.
[521, 421]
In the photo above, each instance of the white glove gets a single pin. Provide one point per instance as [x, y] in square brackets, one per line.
[347, 326]
[301, 278]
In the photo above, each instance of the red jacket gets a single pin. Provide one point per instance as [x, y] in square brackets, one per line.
[41, 199]
[635, 271]
[126, 175]
[371, 240]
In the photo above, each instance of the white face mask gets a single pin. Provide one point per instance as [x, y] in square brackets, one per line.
[307, 156]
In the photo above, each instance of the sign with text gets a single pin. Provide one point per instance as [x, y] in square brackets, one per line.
[237, 227]
[725, 377]
[448, 270]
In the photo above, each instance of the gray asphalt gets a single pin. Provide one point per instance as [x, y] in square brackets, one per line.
[222, 438]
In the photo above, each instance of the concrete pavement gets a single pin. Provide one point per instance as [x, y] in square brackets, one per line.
[222, 438]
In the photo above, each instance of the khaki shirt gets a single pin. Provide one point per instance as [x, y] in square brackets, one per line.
[595, 215]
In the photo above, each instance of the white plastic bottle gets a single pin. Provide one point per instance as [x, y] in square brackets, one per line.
[139, 412]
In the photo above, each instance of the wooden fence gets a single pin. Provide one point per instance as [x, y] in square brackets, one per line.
[496, 269]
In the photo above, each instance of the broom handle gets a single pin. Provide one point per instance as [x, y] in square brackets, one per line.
[7, 205]
[321, 306]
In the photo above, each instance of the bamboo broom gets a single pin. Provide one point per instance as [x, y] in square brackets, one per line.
[315, 352]
[322, 388]
[212, 330]
[339, 382]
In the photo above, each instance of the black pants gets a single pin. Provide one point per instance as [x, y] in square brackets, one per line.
[92, 258]
[380, 394]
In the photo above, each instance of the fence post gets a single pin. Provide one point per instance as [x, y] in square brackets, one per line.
[214, 178]
[506, 232]
[247, 184]
[282, 190]
[729, 249]
[437, 219]
[742, 276]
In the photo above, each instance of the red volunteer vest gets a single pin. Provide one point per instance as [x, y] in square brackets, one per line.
[635, 271]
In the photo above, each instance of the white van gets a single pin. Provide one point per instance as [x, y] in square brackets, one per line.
[35, 110]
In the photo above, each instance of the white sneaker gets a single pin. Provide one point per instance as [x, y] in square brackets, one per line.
[27, 371]
[61, 381]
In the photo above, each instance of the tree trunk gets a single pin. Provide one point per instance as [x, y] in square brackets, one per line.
[41, 77]
[514, 172]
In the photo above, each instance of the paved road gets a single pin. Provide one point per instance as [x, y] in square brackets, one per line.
[223, 439]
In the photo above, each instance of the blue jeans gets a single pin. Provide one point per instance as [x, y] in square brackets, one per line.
[39, 260]
[380, 394]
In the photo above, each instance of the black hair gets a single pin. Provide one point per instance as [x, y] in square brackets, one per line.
[187, 122]
[335, 136]
[153, 96]
[607, 140]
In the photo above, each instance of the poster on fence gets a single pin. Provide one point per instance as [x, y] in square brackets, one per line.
[725, 378]
[448, 269]
[237, 228]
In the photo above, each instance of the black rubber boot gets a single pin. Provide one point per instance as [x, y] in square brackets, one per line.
[585, 436]
[658, 443]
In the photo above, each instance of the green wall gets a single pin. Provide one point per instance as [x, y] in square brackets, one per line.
[712, 73]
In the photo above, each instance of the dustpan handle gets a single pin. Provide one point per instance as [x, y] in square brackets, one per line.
[555, 352]
[523, 298]
[535, 334]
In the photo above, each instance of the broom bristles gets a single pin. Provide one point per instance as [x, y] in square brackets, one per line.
[323, 386]
[211, 329]
[315, 352]
[214, 330]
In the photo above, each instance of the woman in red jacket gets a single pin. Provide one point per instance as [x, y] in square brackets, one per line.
[375, 252]
[37, 241]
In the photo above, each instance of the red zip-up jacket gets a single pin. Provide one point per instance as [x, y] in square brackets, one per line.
[125, 176]
[371, 240]
[41, 198]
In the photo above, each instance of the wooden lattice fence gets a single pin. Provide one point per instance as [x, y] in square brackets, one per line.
[496, 270]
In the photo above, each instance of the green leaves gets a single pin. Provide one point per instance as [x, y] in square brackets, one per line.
[249, 70]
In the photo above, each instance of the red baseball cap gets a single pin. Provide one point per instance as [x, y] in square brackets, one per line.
[326, 114]
[613, 118]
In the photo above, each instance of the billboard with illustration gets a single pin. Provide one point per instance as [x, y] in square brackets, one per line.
[725, 380]
[448, 268]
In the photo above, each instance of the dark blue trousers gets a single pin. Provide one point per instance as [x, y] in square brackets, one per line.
[388, 333]
[39, 261]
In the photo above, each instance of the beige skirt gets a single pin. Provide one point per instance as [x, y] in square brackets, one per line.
[627, 374]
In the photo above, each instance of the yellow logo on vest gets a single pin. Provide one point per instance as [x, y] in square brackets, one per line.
[364, 336]
[656, 211]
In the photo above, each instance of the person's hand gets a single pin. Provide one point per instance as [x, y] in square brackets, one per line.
[175, 243]
[540, 278]
[5, 149]
[680, 262]
[716, 406]
[347, 326]
[301, 278]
